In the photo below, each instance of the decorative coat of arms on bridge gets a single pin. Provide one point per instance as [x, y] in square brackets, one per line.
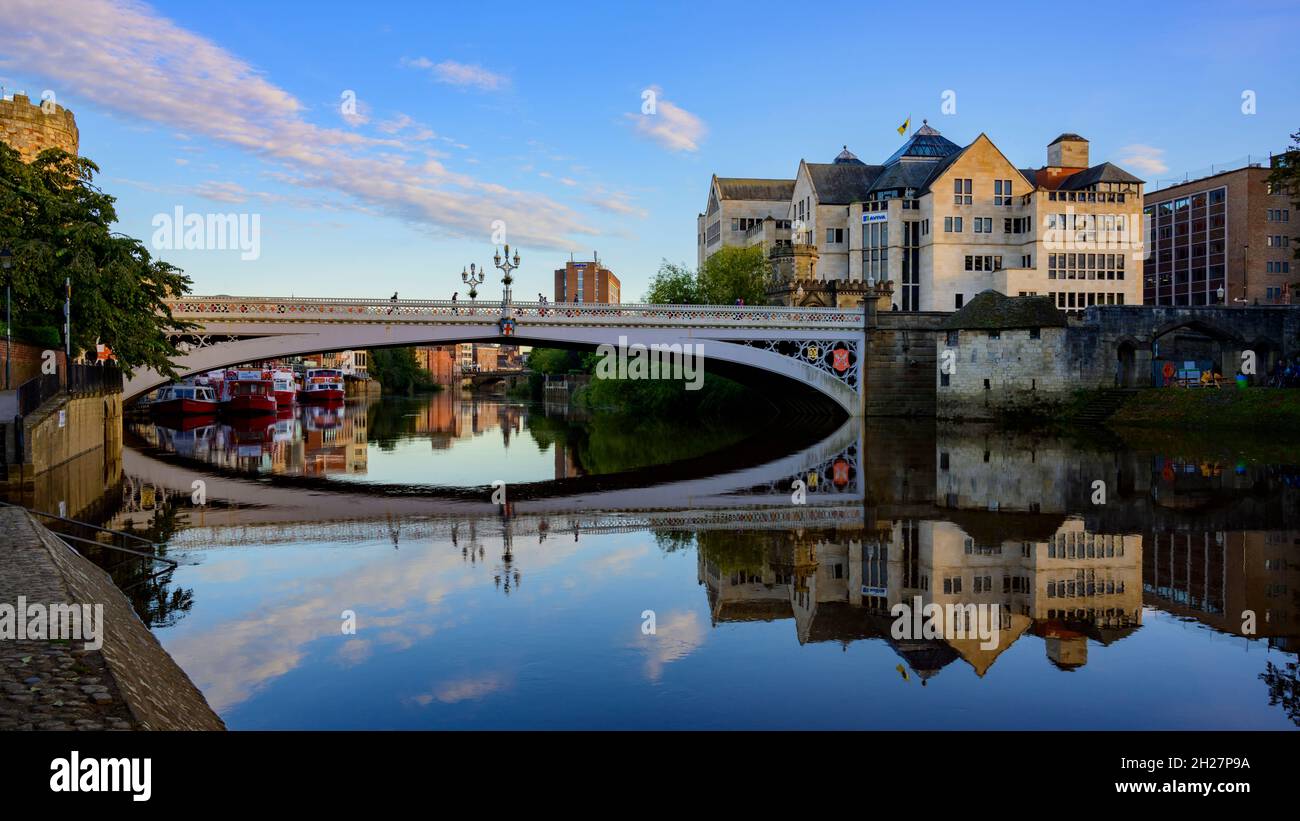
[506, 326]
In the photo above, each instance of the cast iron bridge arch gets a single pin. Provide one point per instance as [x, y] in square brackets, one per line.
[820, 348]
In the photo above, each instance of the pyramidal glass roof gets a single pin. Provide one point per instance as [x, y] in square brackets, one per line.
[925, 143]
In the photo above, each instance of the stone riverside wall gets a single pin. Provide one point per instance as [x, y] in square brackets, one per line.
[30, 128]
[901, 363]
[130, 683]
[1014, 372]
[64, 428]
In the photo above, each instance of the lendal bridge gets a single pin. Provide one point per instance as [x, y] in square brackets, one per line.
[801, 356]
[862, 361]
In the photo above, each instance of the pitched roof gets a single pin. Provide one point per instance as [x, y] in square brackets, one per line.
[1106, 172]
[925, 143]
[841, 184]
[991, 310]
[937, 169]
[847, 157]
[752, 188]
[1068, 136]
[904, 175]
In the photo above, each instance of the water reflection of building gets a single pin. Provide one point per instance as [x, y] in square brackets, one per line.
[1065, 586]
[1220, 578]
[334, 439]
[447, 416]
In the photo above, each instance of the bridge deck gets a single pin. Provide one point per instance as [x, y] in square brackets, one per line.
[210, 310]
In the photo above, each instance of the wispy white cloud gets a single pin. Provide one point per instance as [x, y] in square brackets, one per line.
[670, 125]
[129, 60]
[615, 202]
[406, 126]
[1145, 158]
[459, 74]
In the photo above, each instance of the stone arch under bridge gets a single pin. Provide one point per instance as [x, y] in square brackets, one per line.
[802, 356]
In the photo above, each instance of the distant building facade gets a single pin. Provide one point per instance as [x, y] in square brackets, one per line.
[944, 222]
[744, 211]
[440, 361]
[586, 282]
[1225, 231]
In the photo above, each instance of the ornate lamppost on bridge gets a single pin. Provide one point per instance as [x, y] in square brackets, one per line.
[507, 266]
[473, 278]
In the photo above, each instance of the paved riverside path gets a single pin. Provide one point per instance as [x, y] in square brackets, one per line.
[130, 683]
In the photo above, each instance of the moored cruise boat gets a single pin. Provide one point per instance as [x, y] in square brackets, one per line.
[322, 385]
[286, 388]
[182, 399]
[248, 392]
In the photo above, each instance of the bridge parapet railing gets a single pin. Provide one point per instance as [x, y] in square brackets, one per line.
[205, 309]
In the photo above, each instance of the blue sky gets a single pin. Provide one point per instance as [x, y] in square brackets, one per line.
[532, 114]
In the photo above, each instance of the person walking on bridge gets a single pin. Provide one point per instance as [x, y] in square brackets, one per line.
[393, 299]
[454, 295]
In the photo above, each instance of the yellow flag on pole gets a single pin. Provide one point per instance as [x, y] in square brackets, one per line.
[902, 129]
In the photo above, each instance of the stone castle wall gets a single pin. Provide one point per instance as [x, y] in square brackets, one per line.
[30, 128]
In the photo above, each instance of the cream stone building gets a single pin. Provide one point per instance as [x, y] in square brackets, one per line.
[742, 212]
[944, 222]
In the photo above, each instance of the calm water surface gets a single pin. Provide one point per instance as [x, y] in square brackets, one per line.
[1122, 614]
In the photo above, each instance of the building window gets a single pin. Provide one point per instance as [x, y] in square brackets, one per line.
[984, 262]
[961, 191]
[1002, 192]
[911, 266]
[961, 300]
[1035, 333]
[834, 236]
[952, 225]
[875, 251]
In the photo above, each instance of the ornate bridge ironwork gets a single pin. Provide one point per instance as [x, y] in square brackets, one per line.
[819, 347]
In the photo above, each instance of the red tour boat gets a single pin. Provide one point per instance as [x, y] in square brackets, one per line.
[248, 392]
[322, 385]
[286, 388]
[179, 400]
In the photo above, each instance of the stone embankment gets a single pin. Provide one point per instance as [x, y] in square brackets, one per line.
[130, 683]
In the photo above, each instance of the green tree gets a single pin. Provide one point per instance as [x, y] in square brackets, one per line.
[673, 285]
[58, 224]
[555, 361]
[398, 371]
[734, 273]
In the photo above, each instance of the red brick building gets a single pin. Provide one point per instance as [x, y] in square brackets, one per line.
[586, 282]
[1227, 230]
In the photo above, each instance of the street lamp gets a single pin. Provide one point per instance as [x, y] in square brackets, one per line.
[1221, 294]
[506, 267]
[473, 278]
[7, 263]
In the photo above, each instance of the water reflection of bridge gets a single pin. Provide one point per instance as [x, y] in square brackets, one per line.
[829, 470]
[971, 516]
